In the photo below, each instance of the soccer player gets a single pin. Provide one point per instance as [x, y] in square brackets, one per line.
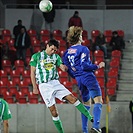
[44, 73]
[5, 114]
[77, 59]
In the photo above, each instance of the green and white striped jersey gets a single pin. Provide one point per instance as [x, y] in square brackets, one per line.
[46, 66]
[5, 113]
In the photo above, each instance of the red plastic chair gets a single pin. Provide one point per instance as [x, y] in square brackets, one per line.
[6, 65]
[32, 32]
[33, 100]
[11, 45]
[108, 35]
[121, 33]
[99, 72]
[57, 34]
[86, 43]
[10, 100]
[115, 63]
[94, 34]
[67, 84]
[15, 76]
[6, 35]
[19, 64]
[101, 82]
[3, 75]
[62, 44]
[45, 32]
[116, 53]
[22, 100]
[98, 55]
[85, 35]
[35, 42]
[113, 74]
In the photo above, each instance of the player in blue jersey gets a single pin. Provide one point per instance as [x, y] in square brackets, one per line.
[77, 59]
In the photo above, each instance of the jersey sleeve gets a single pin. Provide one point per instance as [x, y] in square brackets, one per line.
[85, 61]
[33, 61]
[7, 113]
[59, 61]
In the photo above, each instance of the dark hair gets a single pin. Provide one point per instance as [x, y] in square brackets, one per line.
[114, 32]
[76, 12]
[19, 21]
[53, 42]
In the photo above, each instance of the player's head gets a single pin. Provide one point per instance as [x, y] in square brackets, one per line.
[52, 47]
[74, 35]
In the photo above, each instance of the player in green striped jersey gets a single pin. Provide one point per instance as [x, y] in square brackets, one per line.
[44, 73]
[5, 114]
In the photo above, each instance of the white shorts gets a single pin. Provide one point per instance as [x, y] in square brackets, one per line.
[51, 90]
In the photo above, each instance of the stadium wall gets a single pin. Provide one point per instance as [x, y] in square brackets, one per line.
[36, 118]
[92, 19]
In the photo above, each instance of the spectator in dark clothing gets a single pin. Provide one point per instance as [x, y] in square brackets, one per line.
[17, 28]
[75, 20]
[100, 43]
[117, 42]
[49, 19]
[131, 111]
[22, 44]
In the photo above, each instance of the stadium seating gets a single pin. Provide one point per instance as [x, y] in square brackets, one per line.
[86, 43]
[98, 55]
[6, 35]
[6, 65]
[108, 35]
[85, 35]
[57, 34]
[32, 33]
[94, 34]
[44, 35]
[121, 33]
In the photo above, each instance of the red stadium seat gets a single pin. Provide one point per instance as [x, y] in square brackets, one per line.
[99, 72]
[6, 65]
[19, 64]
[57, 34]
[121, 33]
[113, 73]
[116, 53]
[85, 35]
[6, 35]
[115, 63]
[10, 100]
[33, 100]
[32, 33]
[98, 55]
[35, 42]
[3, 75]
[94, 34]
[108, 35]
[22, 100]
[15, 76]
[11, 45]
[101, 82]
[86, 43]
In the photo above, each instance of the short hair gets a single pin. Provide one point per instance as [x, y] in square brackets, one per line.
[73, 35]
[53, 42]
[76, 12]
[114, 32]
[19, 21]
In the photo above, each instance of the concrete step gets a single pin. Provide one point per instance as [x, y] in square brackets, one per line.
[126, 76]
[128, 85]
[124, 97]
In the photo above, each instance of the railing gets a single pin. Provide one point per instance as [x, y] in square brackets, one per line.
[71, 6]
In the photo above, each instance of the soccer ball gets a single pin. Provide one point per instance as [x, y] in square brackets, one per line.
[45, 5]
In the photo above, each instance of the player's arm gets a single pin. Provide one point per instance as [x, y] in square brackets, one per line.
[6, 126]
[86, 63]
[32, 74]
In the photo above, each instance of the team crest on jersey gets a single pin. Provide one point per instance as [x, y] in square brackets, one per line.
[72, 51]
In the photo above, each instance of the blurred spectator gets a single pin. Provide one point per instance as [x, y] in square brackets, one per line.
[75, 20]
[131, 111]
[117, 42]
[100, 43]
[49, 19]
[22, 44]
[17, 28]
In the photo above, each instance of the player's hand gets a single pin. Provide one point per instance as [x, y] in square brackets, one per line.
[63, 67]
[35, 90]
[102, 64]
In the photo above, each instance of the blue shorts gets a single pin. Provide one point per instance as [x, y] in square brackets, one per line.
[89, 88]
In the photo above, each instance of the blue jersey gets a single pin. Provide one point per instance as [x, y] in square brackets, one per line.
[77, 59]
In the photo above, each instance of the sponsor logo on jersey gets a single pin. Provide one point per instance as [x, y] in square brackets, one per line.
[72, 51]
